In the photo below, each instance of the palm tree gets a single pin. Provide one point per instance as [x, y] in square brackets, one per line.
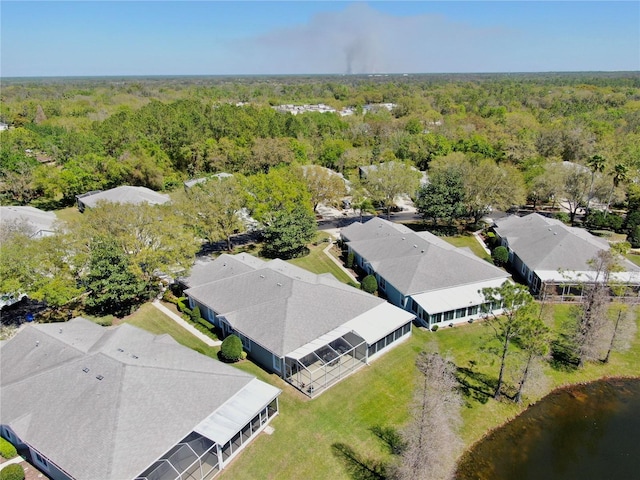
[595, 164]
[619, 175]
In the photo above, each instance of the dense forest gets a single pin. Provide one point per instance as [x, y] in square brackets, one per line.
[69, 136]
[485, 141]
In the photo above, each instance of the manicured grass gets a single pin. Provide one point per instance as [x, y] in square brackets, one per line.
[68, 214]
[306, 431]
[301, 446]
[470, 242]
[634, 257]
[153, 320]
[318, 262]
[380, 394]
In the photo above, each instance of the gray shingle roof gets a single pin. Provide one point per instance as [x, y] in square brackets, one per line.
[416, 263]
[125, 194]
[40, 223]
[547, 244]
[374, 228]
[281, 306]
[207, 270]
[153, 392]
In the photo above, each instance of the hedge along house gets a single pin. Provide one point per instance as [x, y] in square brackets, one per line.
[553, 258]
[87, 402]
[122, 194]
[423, 274]
[311, 330]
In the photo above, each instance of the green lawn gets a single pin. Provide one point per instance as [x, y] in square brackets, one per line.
[68, 214]
[376, 395]
[153, 320]
[380, 394]
[318, 262]
[470, 242]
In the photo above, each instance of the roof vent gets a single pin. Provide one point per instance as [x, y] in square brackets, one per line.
[261, 276]
[85, 369]
[415, 246]
[120, 350]
[421, 251]
[59, 330]
[279, 284]
[99, 377]
[555, 233]
[134, 356]
[37, 343]
[403, 238]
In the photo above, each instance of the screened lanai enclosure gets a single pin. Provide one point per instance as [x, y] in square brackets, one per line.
[198, 457]
[316, 366]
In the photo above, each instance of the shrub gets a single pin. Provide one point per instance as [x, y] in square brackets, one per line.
[434, 328]
[562, 216]
[634, 237]
[12, 472]
[195, 314]
[350, 260]
[369, 284]
[6, 449]
[231, 349]
[183, 307]
[500, 255]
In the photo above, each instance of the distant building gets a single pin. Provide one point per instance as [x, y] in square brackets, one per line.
[553, 258]
[36, 222]
[3, 126]
[124, 194]
[422, 273]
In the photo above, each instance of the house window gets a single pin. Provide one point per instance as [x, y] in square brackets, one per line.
[472, 310]
[448, 315]
[276, 363]
[382, 283]
[461, 312]
[246, 343]
[524, 270]
[412, 305]
[436, 318]
[40, 461]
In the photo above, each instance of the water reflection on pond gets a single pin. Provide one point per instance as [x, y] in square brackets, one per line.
[583, 432]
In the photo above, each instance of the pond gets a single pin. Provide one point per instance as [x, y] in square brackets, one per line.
[587, 431]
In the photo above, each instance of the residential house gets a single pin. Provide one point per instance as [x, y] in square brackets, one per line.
[122, 194]
[422, 273]
[310, 329]
[37, 223]
[553, 258]
[87, 402]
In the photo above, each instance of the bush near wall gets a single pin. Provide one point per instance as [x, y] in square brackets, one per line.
[7, 450]
[12, 472]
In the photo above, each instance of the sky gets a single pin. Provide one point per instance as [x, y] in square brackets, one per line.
[98, 38]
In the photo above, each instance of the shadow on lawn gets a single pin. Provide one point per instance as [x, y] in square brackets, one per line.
[357, 466]
[475, 385]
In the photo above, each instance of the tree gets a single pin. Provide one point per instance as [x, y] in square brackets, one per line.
[289, 232]
[500, 255]
[214, 208]
[596, 164]
[267, 153]
[113, 288]
[369, 284]
[153, 237]
[231, 348]
[390, 179]
[442, 197]
[324, 185]
[486, 184]
[517, 310]
[590, 317]
[280, 190]
[576, 188]
[534, 340]
[431, 437]
[619, 174]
